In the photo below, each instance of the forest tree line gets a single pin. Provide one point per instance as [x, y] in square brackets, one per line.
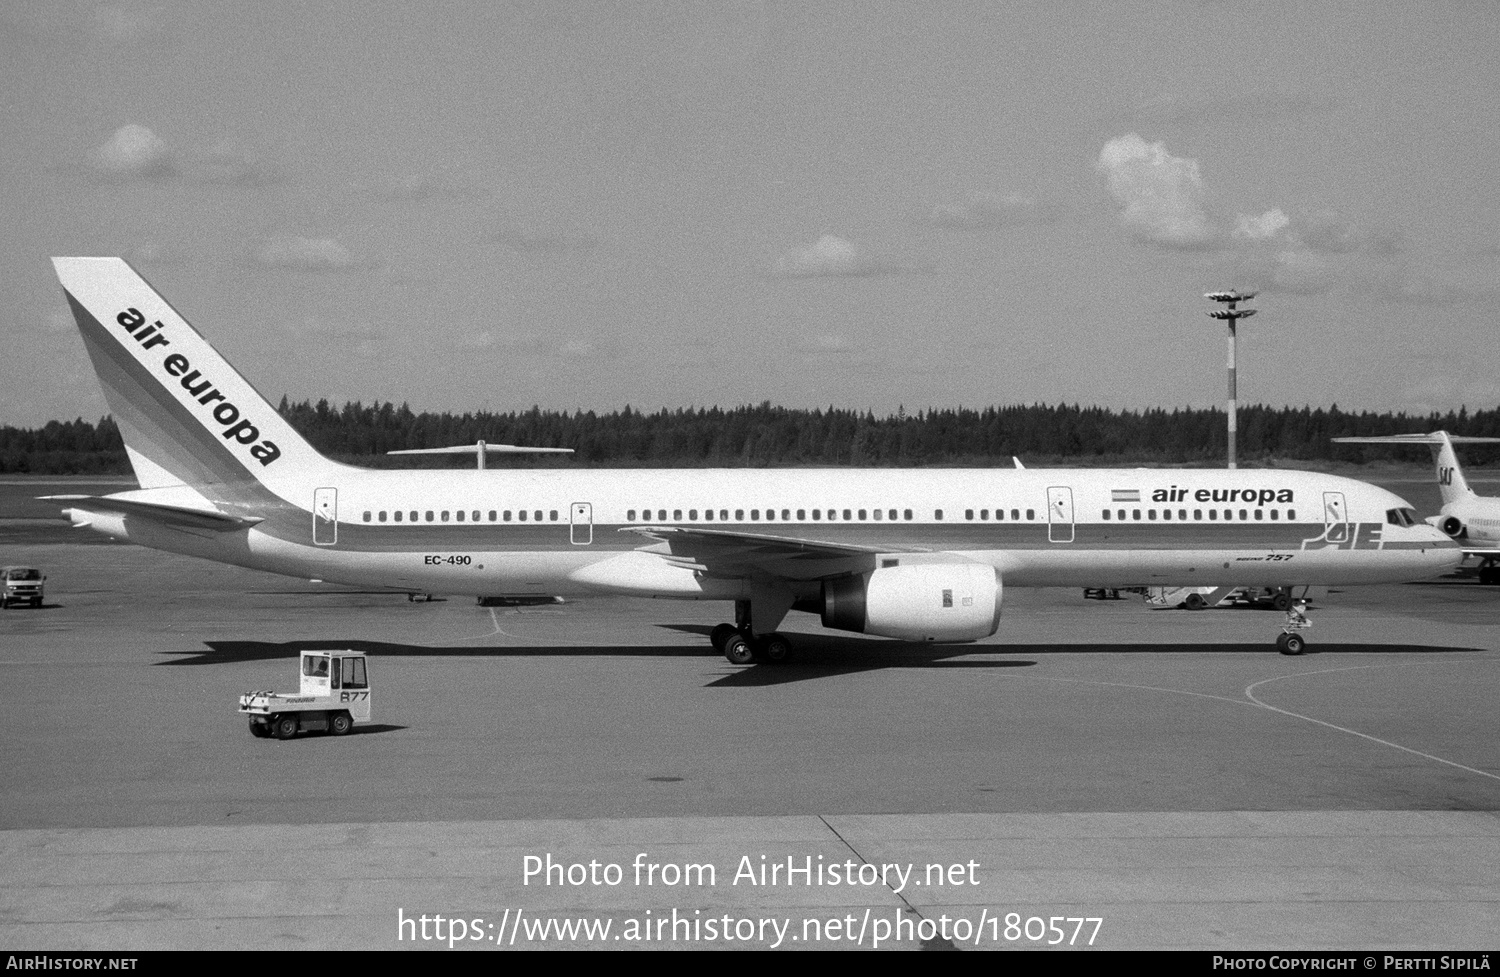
[765, 436]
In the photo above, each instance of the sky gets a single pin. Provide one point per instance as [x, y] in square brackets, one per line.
[873, 205]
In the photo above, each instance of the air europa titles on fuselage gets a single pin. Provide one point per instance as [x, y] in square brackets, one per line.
[1260, 496]
[225, 413]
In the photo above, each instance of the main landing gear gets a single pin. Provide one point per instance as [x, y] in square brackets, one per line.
[741, 648]
[1290, 641]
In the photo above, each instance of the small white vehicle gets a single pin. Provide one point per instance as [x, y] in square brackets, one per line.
[21, 585]
[335, 694]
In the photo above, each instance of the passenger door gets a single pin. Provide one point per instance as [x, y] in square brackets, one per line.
[1060, 514]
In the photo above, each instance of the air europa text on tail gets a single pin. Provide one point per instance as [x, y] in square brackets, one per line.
[226, 414]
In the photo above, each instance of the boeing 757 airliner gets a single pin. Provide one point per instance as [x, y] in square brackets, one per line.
[919, 555]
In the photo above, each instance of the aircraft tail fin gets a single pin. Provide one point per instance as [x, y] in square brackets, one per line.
[1450, 474]
[187, 417]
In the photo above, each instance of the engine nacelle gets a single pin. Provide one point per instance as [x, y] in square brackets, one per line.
[920, 602]
[1452, 525]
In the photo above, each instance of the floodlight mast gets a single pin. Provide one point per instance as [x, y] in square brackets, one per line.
[1231, 315]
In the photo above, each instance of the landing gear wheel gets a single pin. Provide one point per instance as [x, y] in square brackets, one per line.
[1282, 601]
[1195, 602]
[775, 649]
[738, 650]
[1290, 644]
[720, 634]
[259, 729]
[340, 723]
[285, 726]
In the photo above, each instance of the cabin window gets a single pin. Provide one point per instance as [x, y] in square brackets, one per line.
[1244, 515]
[1030, 513]
[397, 514]
[708, 515]
[770, 514]
[755, 515]
[906, 514]
[1135, 514]
[476, 515]
[984, 514]
[937, 514]
[692, 515]
[969, 514]
[1151, 514]
[723, 515]
[862, 515]
[1106, 515]
[786, 514]
[414, 515]
[429, 515]
[552, 515]
[847, 515]
[1275, 514]
[459, 515]
[382, 515]
[1259, 515]
[1198, 514]
[677, 515]
[739, 515]
[630, 515]
[506, 515]
[445, 515]
[833, 514]
[877, 515]
[1182, 514]
[521, 514]
[817, 514]
[1291, 514]
[367, 515]
[1016, 514]
[893, 515]
[1213, 515]
[1166, 514]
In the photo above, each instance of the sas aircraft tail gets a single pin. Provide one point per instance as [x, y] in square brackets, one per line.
[197, 433]
[1450, 475]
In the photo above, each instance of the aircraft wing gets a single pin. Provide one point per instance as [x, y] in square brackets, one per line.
[726, 553]
[176, 516]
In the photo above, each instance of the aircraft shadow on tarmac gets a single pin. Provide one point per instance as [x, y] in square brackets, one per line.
[817, 656]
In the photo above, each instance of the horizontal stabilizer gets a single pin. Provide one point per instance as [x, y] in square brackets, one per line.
[171, 515]
[1436, 438]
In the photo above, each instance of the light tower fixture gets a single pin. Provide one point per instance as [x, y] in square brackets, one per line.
[1231, 314]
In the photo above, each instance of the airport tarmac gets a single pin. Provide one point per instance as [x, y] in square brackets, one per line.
[1162, 771]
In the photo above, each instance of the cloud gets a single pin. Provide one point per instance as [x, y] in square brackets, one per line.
[134, 151]
[304, 254]
[1261, 228]
[831, 257]
[987, 210]
[1161, 195]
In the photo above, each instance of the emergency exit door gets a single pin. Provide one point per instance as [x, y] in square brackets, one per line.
[325, 516]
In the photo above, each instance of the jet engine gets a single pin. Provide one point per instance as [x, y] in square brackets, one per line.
[1453, 526]
[919, 602]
